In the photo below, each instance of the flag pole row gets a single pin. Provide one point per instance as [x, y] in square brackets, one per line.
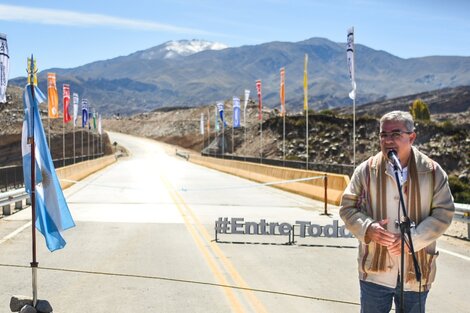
[236, 107]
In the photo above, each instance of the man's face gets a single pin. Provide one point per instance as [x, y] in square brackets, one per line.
[393, 135]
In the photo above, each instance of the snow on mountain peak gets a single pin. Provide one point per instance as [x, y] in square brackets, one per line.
[188, 47]
[179, 48]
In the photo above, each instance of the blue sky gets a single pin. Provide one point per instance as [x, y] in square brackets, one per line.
[72, 33]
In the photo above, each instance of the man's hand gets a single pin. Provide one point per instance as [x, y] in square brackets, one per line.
[395, 248]
[380, 235]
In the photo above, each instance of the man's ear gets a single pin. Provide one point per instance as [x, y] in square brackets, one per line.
[412, 137]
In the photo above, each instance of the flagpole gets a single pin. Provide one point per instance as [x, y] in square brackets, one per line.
[81, 160]
[261, 139]
[306, 136]
[283, 139]
[88, 142]
[49, 129]
[306, 106]
[354, 132]
[244, 140]
[34, 263]
[63, 138]
[74, 142]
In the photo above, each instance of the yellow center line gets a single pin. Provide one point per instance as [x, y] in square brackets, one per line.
[255, 302]
[235, 303]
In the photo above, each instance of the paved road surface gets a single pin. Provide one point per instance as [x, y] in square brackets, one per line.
[144, 242]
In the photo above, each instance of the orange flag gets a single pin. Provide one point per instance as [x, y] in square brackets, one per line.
[282, 93]
[52, 97]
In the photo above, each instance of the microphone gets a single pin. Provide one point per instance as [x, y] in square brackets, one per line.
[393, 158]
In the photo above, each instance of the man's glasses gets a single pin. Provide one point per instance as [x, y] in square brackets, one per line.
[395, 135]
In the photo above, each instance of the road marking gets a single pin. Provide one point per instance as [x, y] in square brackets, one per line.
[15, 232]
[256, 304]
[236, 305]
[463, 257]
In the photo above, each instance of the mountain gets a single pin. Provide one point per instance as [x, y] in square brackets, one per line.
[193, 73]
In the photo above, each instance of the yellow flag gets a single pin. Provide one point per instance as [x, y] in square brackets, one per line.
[35, 70]
[305, 84]
[52, 97]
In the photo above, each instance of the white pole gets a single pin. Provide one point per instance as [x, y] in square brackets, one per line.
[283, 138]
[261, 138]
[49, 132]
[63, 141]
[354, 132]
[306, 136]
[74, 142]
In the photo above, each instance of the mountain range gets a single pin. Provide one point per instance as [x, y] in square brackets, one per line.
[197, 72]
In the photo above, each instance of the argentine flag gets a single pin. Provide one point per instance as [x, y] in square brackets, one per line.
[52, 213]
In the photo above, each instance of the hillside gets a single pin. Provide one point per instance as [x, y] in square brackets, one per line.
[149, 79]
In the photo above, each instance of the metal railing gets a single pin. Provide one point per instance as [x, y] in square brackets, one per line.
[344, 169]
[11, 177]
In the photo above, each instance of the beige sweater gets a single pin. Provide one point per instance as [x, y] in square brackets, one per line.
[362, 204]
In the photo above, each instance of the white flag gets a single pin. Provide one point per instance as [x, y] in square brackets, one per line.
[100, 130]
[75, 108]
[4, 67]
[247, 96]
[202, 124]
[350, 58]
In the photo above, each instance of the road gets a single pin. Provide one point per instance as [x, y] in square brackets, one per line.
[144, 242]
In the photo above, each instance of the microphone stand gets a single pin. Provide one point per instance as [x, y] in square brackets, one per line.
[405, 229]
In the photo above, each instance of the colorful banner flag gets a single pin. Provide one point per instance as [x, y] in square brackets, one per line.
[201, 124]
[75, 109]
[35, 69]
[94, 119]
[236, 112]
[220, 108]
[350, 58]
[260, 104]
[4, 67]
[282, 94]
[66, 102]
[100, 129]
[247, 96]
[52, 97]
[216, 120]
[84, 112]
[305, 83]
[209, 122]
[52, 213]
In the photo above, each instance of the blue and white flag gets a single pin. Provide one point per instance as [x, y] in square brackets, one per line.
[52, 213]
[220, 109]
[4, 67]
[216, 120]
[201, 124]
[350, 58]
[236, 112]
[84, 112]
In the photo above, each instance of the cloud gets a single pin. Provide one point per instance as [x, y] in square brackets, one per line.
[79, 19]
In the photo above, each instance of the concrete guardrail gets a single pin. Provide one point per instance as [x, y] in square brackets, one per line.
[67, 175]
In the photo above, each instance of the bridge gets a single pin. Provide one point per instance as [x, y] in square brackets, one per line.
[145, 242]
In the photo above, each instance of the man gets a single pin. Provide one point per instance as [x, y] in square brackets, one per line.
[370, 208]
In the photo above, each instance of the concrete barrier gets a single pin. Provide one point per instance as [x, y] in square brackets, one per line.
[266, 173]
[68, 174]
